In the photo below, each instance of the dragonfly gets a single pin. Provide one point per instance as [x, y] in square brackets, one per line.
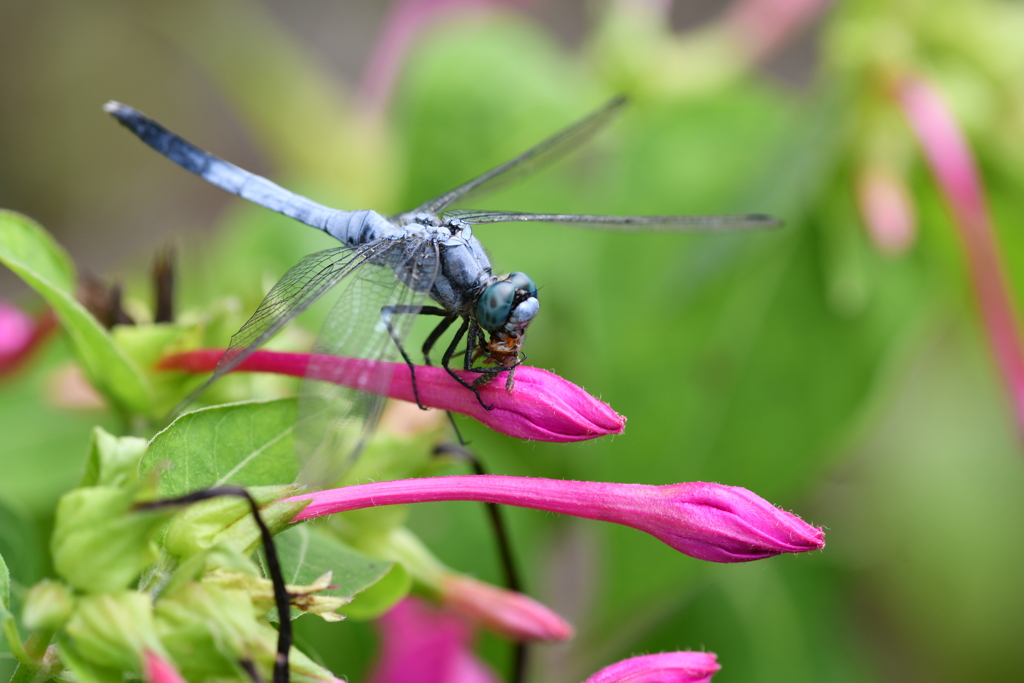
[392, 269]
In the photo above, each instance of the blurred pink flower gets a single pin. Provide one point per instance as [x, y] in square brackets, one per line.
[503, 611]
[159, 670]
[762, 27]
[707, 521]
[541, 406]
[949, 155]
[20, 335]
[666, 667]
[887, 209]
[406, 20]
[423, 644]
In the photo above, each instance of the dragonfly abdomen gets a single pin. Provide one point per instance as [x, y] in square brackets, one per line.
[355, 228]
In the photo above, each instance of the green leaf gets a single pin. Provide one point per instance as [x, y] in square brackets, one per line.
[5, 585]
[32, 254]
[19, 546]
[381, 596]
[248, 444]
[307, 553]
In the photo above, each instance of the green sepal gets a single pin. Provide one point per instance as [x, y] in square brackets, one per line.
[207, 628]
[48, 604]
[114, 629]
[99, 545]
[113, 461]
[228, 520]
[83, 669]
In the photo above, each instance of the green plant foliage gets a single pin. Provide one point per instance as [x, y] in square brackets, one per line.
[5, 585]
[32, 254]
[113, 461]
[247, 444]
[306, 554]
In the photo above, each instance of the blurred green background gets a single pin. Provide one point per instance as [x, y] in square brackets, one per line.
[852, 386]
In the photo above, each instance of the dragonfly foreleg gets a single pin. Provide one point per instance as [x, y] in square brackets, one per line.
[385, 314]
[432, 338]
[447, 359]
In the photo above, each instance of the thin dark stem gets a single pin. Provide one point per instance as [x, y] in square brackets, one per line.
[250, 668]
[520, 652]
[284, 634]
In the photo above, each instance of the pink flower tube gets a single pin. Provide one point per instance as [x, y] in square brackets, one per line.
[952, 162]
[541, 406]
[665, 667]
[707, 521]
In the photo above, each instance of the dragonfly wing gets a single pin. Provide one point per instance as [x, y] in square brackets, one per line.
[335, 417]
[682, 223]
[529, 161]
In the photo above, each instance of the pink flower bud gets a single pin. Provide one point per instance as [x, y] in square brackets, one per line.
[159, 670]
[506, 612]
[887, 210]
[707, 521]
[666, 667]
[423, 644]
[541, 406]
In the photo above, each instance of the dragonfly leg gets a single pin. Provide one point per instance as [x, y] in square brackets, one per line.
[386, 313]
[432, 338]
[447, 359]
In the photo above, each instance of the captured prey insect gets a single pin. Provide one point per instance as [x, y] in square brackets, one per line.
[391, 265]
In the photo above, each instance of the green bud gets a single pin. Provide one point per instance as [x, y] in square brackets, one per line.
[207, 628]
[228, 520]
[99, 544]
[113, 629]
[48, 605]
[113, 461]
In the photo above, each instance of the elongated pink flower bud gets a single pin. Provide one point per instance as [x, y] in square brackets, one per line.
[949, 155]
[159, 670]
[541, 406]
[509, 613]
[707, 521]
[665, 667]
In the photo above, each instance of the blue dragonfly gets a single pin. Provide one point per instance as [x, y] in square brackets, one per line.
[426, 261]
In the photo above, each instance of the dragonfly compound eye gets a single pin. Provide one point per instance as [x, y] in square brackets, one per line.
[523, 283]
[495, 305]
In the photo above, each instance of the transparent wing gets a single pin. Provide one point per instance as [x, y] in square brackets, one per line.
[216, 171]
[666, 223]
[340, 401]
[530, 160]
[306, 282]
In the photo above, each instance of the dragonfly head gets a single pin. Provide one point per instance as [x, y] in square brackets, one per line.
[507, 306]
